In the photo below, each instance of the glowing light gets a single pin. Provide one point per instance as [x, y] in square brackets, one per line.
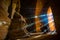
[50, 19]
[39, 16]
[39, 7]
[36, 16]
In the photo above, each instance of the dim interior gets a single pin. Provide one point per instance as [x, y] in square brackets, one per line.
[37, 21]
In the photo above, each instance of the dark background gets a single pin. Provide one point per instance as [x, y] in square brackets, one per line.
[28, 10]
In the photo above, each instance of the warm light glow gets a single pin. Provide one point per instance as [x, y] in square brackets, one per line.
[50, 19]
[36, 16]
[37, 11]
